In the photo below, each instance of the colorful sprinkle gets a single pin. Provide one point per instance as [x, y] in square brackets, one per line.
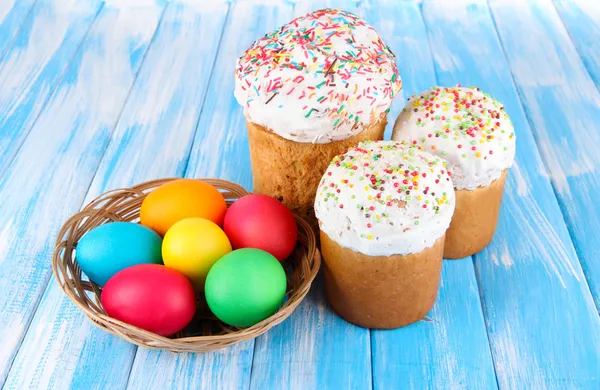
[477, 139]
[391, 170]
[331, 60]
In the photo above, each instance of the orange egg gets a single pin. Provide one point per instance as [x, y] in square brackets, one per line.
[180, 199]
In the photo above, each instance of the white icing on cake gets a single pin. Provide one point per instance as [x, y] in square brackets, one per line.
[466, 127]
[323, 77]
[385, 198]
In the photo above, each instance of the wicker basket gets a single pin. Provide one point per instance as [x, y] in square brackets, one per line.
[205, 333]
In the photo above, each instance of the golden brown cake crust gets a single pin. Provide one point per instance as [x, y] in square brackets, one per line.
[474, 220]
[291, 171]
[381, 291]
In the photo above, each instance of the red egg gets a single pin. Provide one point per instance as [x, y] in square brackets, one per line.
[151, 297]
[259, 221]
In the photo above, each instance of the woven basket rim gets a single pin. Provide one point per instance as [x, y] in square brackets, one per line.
[123, 204]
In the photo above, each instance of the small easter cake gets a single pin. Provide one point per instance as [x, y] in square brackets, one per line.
[311, 89]
[383, 209]
[473, 133]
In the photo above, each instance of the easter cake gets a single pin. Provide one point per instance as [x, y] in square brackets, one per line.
[383, 209]
[473, 133]
[311, 89]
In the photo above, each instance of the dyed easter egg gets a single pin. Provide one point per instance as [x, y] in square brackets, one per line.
[180, 199]
[259, 221]
[192, 246]
[112, 247]
[152, 297]
[245, 287]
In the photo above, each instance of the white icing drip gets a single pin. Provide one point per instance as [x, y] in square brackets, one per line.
[321, 88]
[350, 216]
[470, 168]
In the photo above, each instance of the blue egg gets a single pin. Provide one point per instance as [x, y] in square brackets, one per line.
[112, 247]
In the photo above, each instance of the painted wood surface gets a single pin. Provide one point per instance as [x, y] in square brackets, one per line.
[556, 81]
[42, 168]
[128, 91]
[569, 138]
[450, 348]
[582, 20]
[35, 63]
[532, 287]
[12, 16]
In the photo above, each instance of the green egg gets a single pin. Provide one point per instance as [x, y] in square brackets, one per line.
[245, 286]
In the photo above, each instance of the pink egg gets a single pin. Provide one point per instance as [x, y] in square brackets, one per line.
[261, 222]
[151, 297]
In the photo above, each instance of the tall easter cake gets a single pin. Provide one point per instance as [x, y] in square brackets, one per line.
[311, 89]
[383, 209]
[473, 133]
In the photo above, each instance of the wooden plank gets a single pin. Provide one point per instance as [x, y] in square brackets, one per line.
[582, 19]
[28, 221]
[450, 348]
[54, 169]
[543, 328]
[219, 148]
[34, 65]
[313, 348]
[222, 127]
[12, 16]
[555, 80]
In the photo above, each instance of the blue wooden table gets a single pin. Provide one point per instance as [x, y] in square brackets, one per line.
[99, 95]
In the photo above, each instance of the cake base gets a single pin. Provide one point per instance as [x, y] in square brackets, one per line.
[382, 292]
[474, 220]
[291, 171]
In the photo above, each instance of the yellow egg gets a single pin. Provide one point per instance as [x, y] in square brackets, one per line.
[192, 245]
